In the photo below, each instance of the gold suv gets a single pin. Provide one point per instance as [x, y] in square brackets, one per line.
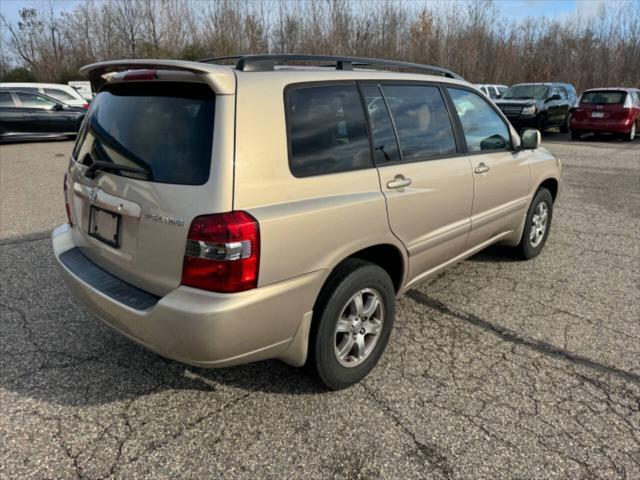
[221, 214]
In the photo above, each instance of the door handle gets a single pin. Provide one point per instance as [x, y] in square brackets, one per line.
[481, 169]
[399, 182]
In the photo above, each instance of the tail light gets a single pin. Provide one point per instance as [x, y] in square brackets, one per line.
[66, 201]
[222, 253]
[85, 106]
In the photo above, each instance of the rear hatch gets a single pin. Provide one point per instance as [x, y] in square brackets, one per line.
[602, 106]
[144, 165]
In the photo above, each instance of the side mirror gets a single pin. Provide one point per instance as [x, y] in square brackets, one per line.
[57, 107]
[555, 96]
[530, 139]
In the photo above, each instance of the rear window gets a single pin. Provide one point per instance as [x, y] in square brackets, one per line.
[5, 99]
[603, 98]
[327, 130]
[162, 129]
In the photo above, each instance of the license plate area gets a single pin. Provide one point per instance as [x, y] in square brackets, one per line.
[105, 226]
[597, 114]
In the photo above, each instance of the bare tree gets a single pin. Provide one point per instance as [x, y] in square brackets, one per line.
[468, 36]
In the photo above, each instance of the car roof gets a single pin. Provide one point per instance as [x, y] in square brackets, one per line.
[265, 68]
[625, 89]
[546, 84]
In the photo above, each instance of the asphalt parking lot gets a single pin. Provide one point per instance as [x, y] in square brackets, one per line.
[496, 369]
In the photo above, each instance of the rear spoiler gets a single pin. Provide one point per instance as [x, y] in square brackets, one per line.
[221, 78]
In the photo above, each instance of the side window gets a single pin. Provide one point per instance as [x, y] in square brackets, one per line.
[385, 146]
[6, 100]
[563, 93]
[483, 128]
[31, 100]
[59, 94]
[327, 130]
[422, 121]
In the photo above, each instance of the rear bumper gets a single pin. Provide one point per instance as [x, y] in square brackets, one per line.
[204, 328]
[613, 126]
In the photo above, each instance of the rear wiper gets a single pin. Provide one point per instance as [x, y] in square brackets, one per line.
[99, 165]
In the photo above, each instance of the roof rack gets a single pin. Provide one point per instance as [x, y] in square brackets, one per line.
[267, 63]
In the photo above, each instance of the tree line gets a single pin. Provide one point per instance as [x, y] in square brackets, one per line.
[470, 37]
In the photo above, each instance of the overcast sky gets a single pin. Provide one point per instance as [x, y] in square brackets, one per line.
[517, 9]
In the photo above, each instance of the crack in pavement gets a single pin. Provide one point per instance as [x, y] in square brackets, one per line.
[509, 336]
[24, 239]
[428, 450]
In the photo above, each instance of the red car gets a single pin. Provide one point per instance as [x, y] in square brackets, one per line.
[607, 110]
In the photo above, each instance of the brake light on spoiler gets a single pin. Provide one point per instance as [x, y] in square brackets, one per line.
[222, 253]
[137, 75]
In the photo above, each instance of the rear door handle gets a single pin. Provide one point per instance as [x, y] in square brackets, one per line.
[481, 168]
[399, 182]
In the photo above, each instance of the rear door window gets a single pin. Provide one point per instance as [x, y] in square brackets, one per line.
[162, 129]
[33, 100]
[484, 129]
[327, 130]
[385, 146]
[421, 120]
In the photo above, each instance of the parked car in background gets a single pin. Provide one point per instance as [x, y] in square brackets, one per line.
[214, 237]
[539, 105]
[607, 110]
[62, 93]
[31, 115]
[492, 91]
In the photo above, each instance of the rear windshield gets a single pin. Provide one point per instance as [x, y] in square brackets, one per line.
[163, 132]
[603, 98]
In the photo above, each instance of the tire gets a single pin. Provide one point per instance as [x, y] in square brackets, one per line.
[336, 302]
[531, 245]
[576, 134]
[541, 122]
[629, 137]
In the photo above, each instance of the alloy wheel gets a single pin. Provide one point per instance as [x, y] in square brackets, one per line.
[358, 327]
[538, 224]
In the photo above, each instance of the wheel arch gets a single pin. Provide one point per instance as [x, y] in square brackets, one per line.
[550, 184]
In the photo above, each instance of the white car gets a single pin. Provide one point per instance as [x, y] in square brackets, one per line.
[492, 91]
[63, 93]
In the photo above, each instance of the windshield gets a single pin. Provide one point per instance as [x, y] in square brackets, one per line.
[161, 132]
[603, 98]
[522, 92]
